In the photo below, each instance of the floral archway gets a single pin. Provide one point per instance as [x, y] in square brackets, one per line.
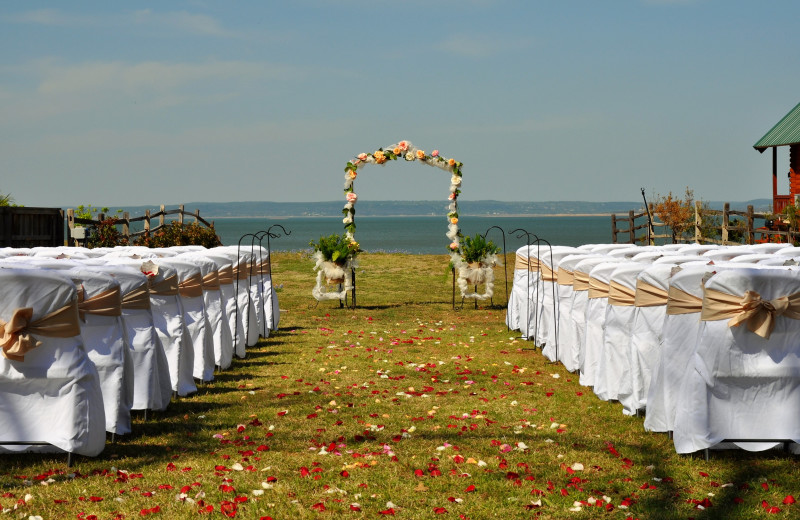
[407, 151]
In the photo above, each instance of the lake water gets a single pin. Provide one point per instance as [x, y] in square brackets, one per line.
[417, 235]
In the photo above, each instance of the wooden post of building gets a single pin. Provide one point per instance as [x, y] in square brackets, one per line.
[726, 219]
[126, 229]
[180, 214]
[70, 226]
[613, 228]
[750, 233]
[161, 217]
[698, 222]
[147, 222]
[631, 232]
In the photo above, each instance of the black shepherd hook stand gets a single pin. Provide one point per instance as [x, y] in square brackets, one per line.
[505, 266]
[519, 233]
[253, 238]
[554, 291]
[269, 234]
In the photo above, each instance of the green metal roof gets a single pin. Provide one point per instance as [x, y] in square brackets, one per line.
[787, 131]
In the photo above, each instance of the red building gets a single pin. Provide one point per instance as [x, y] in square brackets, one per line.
[785, 133]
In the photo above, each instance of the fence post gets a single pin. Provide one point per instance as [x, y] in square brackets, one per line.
[726, 219]
[631, 232]
[613, 228]
[750, 232]
[180, 214]
[197, 216]
[161, 217]
[651, 229]
[147, 221]
[126, 230]
[70, 225]
[698, 222]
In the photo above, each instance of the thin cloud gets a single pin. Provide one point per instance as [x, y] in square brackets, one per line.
[178, 21]
[477, 46]
[51, 17]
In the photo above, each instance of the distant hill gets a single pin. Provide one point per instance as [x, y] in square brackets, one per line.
[418, 208]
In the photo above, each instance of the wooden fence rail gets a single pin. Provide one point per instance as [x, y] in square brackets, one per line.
[125, 221]
[739, 230]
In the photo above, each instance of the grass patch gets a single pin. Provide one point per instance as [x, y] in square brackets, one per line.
[401, 407]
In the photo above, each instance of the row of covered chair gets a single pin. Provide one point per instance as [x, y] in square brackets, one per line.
[704, 339]
[88, 335]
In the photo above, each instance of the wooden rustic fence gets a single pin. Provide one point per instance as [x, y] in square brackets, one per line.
[125, 221]
[740, 230]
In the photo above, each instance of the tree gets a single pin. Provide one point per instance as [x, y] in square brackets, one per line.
[6, 200]
[677, 214]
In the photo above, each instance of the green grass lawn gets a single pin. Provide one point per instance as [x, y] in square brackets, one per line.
[402, 407]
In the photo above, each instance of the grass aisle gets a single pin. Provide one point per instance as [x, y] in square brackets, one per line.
[401, 408]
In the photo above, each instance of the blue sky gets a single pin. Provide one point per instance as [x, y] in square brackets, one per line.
[129, 103]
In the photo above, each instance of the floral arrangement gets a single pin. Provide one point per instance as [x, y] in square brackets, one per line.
[408, 152]
[336, 248]
[335, 257]
[474, 262]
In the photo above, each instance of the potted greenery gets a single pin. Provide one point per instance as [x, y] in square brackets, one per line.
[335, 256]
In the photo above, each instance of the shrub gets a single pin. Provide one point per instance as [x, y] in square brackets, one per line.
[177, 234]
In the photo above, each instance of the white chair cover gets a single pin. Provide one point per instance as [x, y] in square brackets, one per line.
[104, 337]
[190, 289]
[167, 314]
[152, 388]
[547, 329]
[741, 385]
[580, 302]
[222, 337]
[595, 317]
[244, 312]
[54, 394]
[568, 352]
[678, 336]
[522, 292]
[645, 343]
[613, 359]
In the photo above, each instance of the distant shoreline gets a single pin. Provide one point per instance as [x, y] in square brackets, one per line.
[505, 215]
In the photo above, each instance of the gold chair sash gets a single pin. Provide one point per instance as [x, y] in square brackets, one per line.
[526, 262]
[211, 281]
[548, 275]
[263, 267]
[138, 298]
[598, 289]
[18, 333]
[166, 287]
[620, 295]
[108, 303]
[648, 295]
[565, 276]
[225, 275]
[241, 271]
[580, 281]
[751, 309]
[192, 287]
[681, 302]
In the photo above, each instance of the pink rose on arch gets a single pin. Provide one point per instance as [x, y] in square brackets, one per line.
[362, 156]
[352, 197]
[454, 246]
[403, 145]
[452, 196]
[435, 153]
